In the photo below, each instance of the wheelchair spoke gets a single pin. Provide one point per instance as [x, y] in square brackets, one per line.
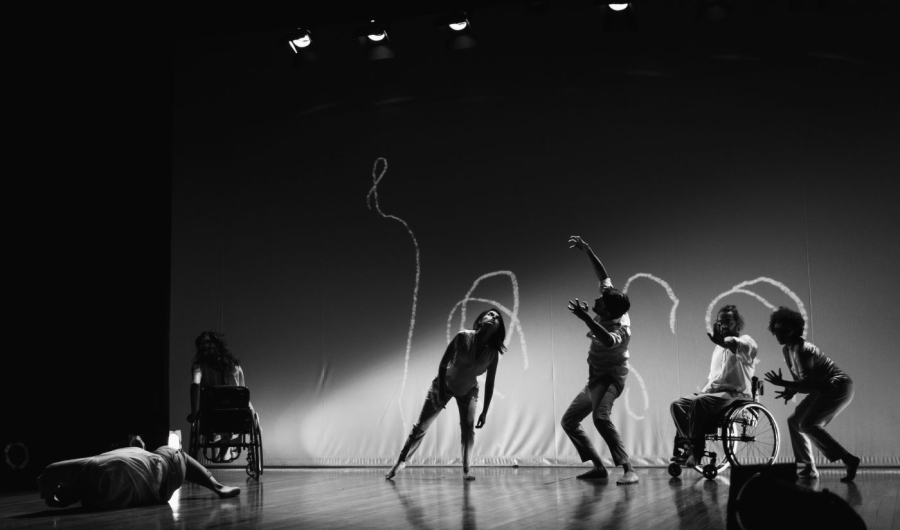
[757, 438]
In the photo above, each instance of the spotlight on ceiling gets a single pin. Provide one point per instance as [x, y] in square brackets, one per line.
[373, 37]
[299, 39]
[301, 42]
[618, 16]
[458, 30]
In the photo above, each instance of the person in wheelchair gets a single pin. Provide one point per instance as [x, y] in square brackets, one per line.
[730, 373]
[214, 365]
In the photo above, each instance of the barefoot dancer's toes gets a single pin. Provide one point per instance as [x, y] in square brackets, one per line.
[467, 476]
[629, 477]
[397, 467]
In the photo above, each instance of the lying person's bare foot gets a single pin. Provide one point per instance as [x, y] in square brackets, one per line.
[397, 467]
[225, 492]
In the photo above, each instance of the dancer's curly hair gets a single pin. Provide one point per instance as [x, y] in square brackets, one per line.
[616, 302]
[499, 336]
[789, 319]
[220, 357]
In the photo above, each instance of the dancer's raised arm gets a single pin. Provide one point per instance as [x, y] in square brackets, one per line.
[581, 244]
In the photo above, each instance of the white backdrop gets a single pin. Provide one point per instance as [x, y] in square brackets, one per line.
[699, 180]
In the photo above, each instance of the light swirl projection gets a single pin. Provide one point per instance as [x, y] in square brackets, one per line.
[739, 288]
[513, 315]
[630, 366]
[665, 286]
[373, 198]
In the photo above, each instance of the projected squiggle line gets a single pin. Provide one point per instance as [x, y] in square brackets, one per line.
[668, 289]
[630, 366]
[739, 288]
[643, 390]
[513, 315]
[373, 193]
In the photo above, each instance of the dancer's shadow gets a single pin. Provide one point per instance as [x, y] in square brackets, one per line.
[468, 514]
[414, 513]
[697, 502]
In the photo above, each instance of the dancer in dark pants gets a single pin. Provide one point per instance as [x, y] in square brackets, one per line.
[730, 374]
[469, 354]
[610, 332]
[829, 391]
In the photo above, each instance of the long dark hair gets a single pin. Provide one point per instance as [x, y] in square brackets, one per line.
[496, 340]
[220, 357]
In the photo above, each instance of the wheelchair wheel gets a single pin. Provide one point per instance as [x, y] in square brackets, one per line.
[710, 471]
[714, 456]
[674, 470]
[254, 451]
[260, 442]
[750, 436]
[194, 446]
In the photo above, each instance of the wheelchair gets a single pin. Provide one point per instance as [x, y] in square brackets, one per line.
[743, 433]
[225, 426]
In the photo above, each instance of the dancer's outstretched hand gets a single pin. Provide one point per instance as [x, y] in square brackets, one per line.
[785, 394]
[579, 309]
[774, 378]
[481, 420]
[717, 336]
[577, 242]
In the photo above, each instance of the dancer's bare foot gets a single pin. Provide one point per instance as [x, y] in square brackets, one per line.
[808, 472]
[397, 467]
[225, 492]
[467, 476]
[852, 463]
[630, 477]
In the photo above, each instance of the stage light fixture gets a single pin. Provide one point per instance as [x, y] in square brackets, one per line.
[300, 38]
[459, 31]
[374, 39]
[618, 16]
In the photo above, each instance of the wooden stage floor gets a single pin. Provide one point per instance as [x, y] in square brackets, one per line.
[437, 498]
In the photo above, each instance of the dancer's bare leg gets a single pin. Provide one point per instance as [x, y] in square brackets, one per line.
[196, 473]
[397, 467]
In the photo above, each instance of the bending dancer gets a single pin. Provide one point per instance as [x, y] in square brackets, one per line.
[469, 354]
[610, 332]
[730, 374]
[125, 477]
[830, 391]
[214, 364]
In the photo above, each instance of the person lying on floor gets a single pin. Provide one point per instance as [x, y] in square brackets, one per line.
[125, 477]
